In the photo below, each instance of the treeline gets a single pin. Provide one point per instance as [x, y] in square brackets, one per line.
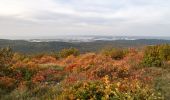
[36, 47]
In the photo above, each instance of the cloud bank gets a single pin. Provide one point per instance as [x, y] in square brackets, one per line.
[84, 17]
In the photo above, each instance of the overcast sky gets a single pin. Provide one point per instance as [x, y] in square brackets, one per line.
[84, 17]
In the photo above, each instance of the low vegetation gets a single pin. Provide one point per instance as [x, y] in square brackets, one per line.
[114, 53]
[112, 74]
[155, 56]
[67, 52]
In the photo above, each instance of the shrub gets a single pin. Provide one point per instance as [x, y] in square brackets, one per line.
[25, 72]
[7, 84]
[114, 53]
[67, 52]
[6, 55]
[164, 52]
[151, 57]
[107, 90]
[38, 92]
[154, 56]
[19, 57]
[48, 75]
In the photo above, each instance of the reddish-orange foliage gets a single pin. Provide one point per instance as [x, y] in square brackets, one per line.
[88, 66]
[124, 75]
[7, 81]
[44, 75]
[44, 60]
[30, 65]
[93, 66]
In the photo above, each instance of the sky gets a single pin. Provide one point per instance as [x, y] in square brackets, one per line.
[30, 18]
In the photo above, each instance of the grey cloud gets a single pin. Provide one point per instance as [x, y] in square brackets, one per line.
[123, 17]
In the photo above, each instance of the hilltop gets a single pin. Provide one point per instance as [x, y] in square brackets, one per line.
[121, 74]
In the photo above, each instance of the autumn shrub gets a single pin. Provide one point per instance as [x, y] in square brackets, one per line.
[106, 90]
[67, 52]
[47, 59]
[162, 81]
[164, 52]
[39, 55]
[51, 66]
[19, 57]
[154, 56]
[7, 84]
[44, 92]
[114, 53]
[38, 92]
[6, 55]
[26, 73]
[114, 74]
[48, 75]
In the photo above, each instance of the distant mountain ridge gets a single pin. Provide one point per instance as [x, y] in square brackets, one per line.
[93, 38]
[25, 46]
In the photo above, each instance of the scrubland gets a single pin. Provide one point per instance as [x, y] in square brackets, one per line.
[111, 74]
